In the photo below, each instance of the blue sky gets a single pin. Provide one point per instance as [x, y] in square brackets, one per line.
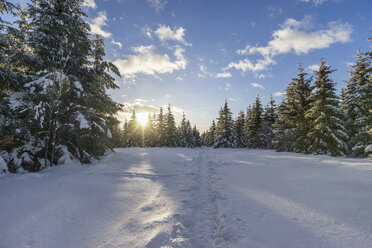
[195, 54]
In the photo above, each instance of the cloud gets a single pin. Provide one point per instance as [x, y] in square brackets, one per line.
[279, 93]
[90, 4]
[314, 67]
[97, 23]
[139, 108]
[316, 2]
[256, 85]
[179, 78]
[116, 43]
[158, 5]
[234, 99]
[224, 75]
[174, 109]
[228, 86]
[147, 31]
[293, 37]
[247, 65]
[147, 61]
[165, 33]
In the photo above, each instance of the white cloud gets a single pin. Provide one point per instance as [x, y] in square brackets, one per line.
[165, 33]
[97, 23]
[256, 85]
[147, 61]
[224, 75]
[247, 65]
[314, 67]
[116, 43]
[147, 31]
[279, 93]
[174, 109]
[228, 86]
[90, 4]
[139, 107]
[293, 37]
[316, 2]
[234, 99]
[158, 5]
[179, 78]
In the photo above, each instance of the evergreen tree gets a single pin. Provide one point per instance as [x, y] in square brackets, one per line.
[269, 120]
[327, 133]
[239, 127]
[247, 126]
[255, 126]
[197, 142]
[160, 128]
[225, 130]
[292, 128]
[182, 132]
[134, 132]
[170, 134]
[150, 133]
[211, 135]
[356, 102]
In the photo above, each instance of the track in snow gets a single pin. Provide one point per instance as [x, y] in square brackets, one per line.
[160, 197]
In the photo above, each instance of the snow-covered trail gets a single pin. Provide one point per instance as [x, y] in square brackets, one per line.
[159, 197]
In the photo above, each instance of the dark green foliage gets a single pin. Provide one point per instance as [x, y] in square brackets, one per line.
[241, 139]
[170, 134]
[292, 128]
[269, 119]
[225, 130]
[327, 134]
[356, 102]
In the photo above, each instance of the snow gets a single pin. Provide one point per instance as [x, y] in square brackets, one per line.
[83, 123]
[179, 197]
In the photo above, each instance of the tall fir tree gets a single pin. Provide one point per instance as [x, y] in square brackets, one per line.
[196, 141]
[241, 140]
[150, 133]
[255, 126]
[170, 134]
[134, 132]
[225, 130]
[160, 128]
[356, 102]
[269, 120]
[327, 134]
[291, 115]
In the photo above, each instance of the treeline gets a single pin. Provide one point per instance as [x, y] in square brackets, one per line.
[159, 131]
[311, 119]
[53, 83]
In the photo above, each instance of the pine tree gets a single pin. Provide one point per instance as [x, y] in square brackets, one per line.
[247, 126]
[211, 135]
[182, 132]
[292, 127]
[327, 133]
[255, 126]
[225, 130]
[356, 102]
[239, 127]
[160, 128]
[268, 121]
[197, 142]
[134, 132]
[170, 134]
[150, 133]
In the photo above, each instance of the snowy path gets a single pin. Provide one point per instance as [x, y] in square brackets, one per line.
[191, 198]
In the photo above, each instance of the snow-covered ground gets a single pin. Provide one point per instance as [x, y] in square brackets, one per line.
[191, 198]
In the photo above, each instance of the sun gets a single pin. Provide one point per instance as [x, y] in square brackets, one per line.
[142, 118]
